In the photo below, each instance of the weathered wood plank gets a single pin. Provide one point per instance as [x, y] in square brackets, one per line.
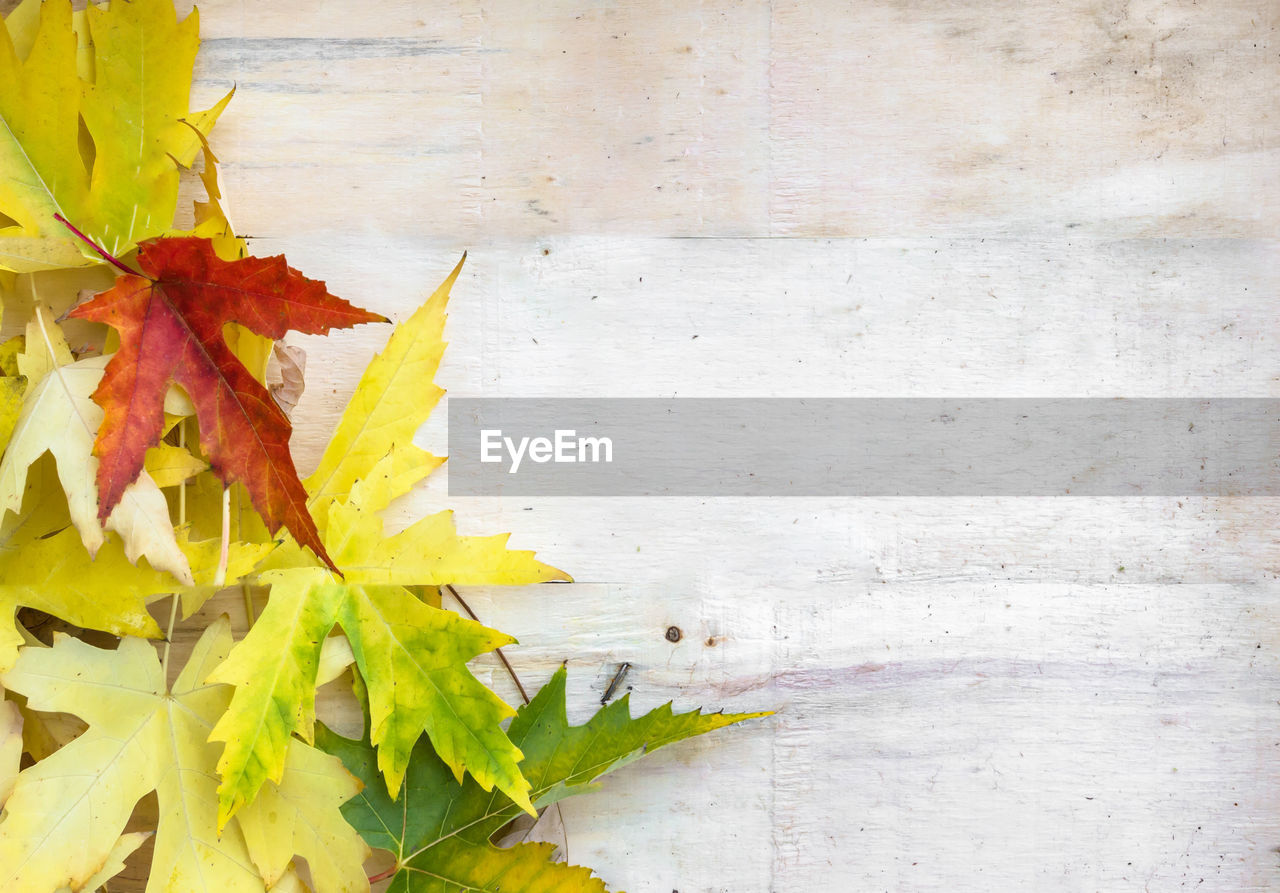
[839, 199]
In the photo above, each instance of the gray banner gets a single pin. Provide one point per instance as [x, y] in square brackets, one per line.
[863, 447]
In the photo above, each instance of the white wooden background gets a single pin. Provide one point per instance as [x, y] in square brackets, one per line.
[1074, 198]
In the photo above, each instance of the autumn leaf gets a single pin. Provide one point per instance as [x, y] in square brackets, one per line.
[12, 387]
[44, 566]
[114, 862]
[10, 407]
[171, 465]
[59, 417]
[285, 376]
[412, 655]
[10, 746]
[170, 324]
[212, 221]
[67, 812]
[440, 830]
[130, 83]
[396, 394]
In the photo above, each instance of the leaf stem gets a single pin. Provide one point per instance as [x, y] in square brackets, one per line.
[383, 875]
[249, 613]
[182, 487]
[168, 638]
[220, 577]
[109, 258]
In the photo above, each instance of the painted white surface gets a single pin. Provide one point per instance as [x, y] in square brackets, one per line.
[838, 199]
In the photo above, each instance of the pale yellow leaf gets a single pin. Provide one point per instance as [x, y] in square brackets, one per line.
[10, 746]
[335, 657]
[11, 391]
[67, 812]
[291, 883]
[114, 864]
[301, 816]
[60, 417]
[44, 348]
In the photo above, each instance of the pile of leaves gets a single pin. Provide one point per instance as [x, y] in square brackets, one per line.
[145, 432]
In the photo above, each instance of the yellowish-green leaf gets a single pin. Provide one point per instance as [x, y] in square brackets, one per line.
[67, 811]
[274, 671]
[43, 174]
[56, 575]
[429, 552]
[126, 70]
[414, 657]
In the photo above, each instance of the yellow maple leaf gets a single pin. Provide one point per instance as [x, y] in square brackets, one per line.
[171, 465]
[411, 655]
[44, 566]
[10, 746]
[66, 814]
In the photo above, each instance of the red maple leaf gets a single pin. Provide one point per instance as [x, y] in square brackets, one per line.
[170, 322]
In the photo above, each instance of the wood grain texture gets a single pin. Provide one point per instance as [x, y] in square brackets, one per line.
[837, 199]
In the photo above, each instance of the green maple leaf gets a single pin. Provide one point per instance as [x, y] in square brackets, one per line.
[412, 655]
[439, 829]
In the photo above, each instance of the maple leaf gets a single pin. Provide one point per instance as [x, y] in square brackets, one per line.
[170, 329]
[67, 812]
[171, 465]
[11, 386]
[10, 746]
[212, 221]
[440, 830]
[125, 70]
[412, 655]
[113, 864]
[59, 417]
[396, 394]
[43, 566]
